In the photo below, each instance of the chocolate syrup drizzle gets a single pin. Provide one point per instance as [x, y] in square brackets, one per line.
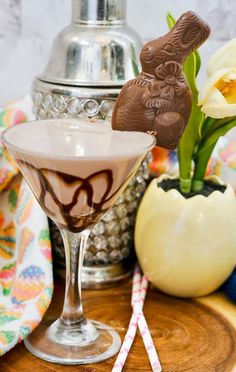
[75, 223]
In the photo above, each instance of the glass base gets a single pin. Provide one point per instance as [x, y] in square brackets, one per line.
[89, 342]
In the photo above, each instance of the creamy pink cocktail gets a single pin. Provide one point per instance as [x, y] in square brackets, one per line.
[76, 176]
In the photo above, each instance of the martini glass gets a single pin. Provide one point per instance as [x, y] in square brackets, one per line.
[76, 169]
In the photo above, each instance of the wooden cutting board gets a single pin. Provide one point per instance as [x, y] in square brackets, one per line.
[195, 335]
[190, 335]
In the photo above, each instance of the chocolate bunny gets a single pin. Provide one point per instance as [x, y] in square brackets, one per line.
[159, 99]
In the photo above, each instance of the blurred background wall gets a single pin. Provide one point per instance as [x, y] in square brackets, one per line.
[27, 28]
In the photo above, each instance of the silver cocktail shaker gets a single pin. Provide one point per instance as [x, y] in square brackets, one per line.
[90, 61]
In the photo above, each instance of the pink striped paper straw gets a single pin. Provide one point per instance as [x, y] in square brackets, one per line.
[143, 327]
[147, 339]
[139, 290]
[133, 324]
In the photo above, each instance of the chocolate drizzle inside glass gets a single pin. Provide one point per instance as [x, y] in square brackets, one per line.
[72, 222]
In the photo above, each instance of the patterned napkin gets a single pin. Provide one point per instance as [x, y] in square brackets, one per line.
[26, 281]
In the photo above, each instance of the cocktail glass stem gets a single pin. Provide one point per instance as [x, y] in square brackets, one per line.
[74, 245]
[72, 339]
[72, 327]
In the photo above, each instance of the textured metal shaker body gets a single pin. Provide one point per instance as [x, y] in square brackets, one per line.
[90, 61]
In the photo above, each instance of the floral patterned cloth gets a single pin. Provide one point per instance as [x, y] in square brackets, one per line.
[26, 281]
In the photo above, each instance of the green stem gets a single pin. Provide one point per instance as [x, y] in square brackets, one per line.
[201, 163]
[185, 168]
[192, 134]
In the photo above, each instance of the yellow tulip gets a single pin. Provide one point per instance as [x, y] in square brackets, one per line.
[217, 97]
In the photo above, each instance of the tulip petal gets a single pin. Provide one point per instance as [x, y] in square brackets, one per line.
[225, 57]
[219, 111]
[216, 97]
[231, 75]
[210, 83]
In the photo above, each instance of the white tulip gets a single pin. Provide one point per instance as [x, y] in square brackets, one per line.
[217, 97]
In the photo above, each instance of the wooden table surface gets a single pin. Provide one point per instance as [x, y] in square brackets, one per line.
[197, 336]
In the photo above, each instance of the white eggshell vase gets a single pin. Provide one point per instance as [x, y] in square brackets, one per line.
[186, 247]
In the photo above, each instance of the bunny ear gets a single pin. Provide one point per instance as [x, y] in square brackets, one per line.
[191, 36]
[189, 32]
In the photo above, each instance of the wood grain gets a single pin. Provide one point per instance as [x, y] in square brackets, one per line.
[189, 335]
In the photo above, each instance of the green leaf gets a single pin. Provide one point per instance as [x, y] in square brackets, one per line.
[190, 66]
[207, 125]
[216, 134]
[212, 124]
[206, 148]
[198, 61]
[170, 21]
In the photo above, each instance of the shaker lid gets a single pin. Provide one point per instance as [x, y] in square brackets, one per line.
[94, 51]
